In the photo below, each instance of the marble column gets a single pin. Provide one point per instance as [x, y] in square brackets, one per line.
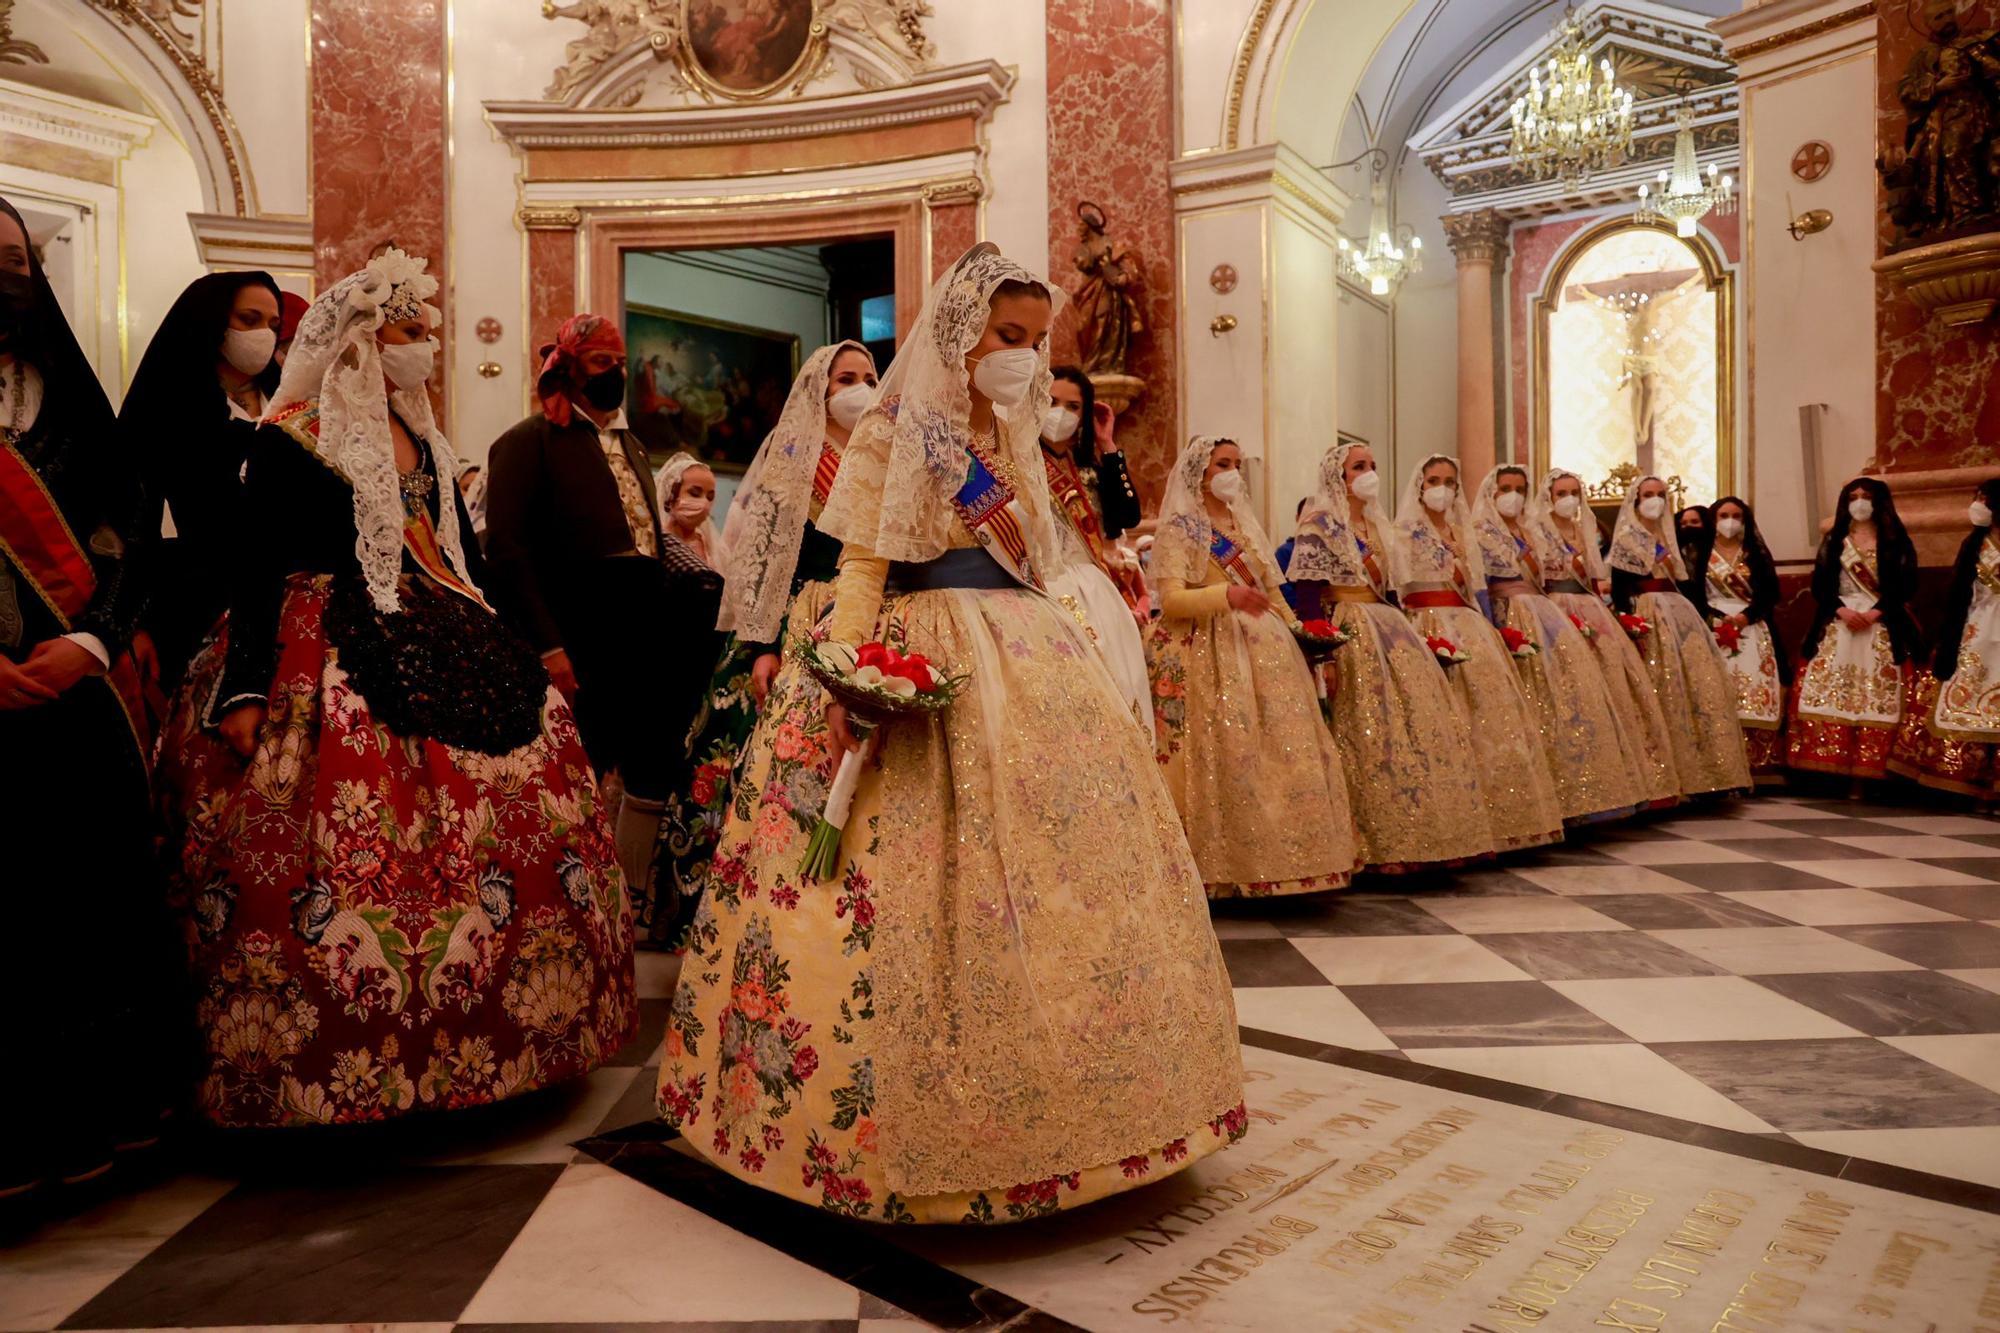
[1937, 386]
[1479, 242]
[379, 134]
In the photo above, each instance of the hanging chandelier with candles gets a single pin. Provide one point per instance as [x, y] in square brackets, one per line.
[1389, 255]
[1578, 121]
[1685, 194]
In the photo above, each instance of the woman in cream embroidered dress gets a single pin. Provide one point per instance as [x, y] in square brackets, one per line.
[1857, 655]
[1010, 1000]
[1742, 594]
[1577, 580]
[1236, 713]
[1596, 777]
[1647, 575]
[1404, 747]
[1951, 730]
[777, 577]
[1436, 558]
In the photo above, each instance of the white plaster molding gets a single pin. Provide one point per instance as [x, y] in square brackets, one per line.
[97, 129]
[226, 241]
[1271, 173]
[940, 94]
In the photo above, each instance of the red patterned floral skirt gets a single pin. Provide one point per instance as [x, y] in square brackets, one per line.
[379, 923]
[1924, 754]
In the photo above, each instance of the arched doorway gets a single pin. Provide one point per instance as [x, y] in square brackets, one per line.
[1634, 365]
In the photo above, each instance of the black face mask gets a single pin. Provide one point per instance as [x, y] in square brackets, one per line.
[17, 298]
[605, 390]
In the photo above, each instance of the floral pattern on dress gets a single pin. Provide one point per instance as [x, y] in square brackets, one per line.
[378, 923]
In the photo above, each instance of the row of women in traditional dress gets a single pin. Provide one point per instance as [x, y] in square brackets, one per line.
[371, 816]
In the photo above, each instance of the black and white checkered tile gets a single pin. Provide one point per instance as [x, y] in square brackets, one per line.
[1792, 977]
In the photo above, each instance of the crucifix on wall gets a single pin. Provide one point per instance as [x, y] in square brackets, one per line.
[1639, 299]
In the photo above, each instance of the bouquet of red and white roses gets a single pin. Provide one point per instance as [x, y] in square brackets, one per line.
[1729, 638]
[1635, 626]
[1320, 638]
[876, 684]
[1448, 653]
[1518, 644]
[1583, 627]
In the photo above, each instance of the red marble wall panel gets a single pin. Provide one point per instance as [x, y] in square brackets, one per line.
[1110, 79]
[1937, 389]
[1534, 249]
[954, 227]
[552, 296]
[378, 131]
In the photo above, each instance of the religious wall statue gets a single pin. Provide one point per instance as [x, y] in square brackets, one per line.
[1107, 302]
[1945, 178]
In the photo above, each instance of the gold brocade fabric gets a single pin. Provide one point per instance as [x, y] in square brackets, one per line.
[1695, 694]
[1940, 759]
[1513, 771]
[1968, 705]
[1595, 778]
[1853, 678]
[1009, 1000]
[1403, 745]
[631, 495]
[1753, 667]
[1248, 759]
[1643, 732]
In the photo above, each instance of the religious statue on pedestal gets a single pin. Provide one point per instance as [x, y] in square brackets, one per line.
[1107, 302]
[1945, 178]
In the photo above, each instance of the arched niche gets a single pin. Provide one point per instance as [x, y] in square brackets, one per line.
[1634, 360]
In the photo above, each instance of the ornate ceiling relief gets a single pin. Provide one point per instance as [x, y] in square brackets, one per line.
[14, 51]
[708, 51]
[189, 48]
[1662, 63]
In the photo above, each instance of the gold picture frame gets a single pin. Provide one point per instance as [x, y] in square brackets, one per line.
[792, 42]
[1718, 280]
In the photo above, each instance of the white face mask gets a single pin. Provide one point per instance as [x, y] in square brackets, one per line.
[249, 350]
[1652, 507]
[1509, 503]
[1005, 376]
[1567, 505]
[409, 364]
[1366, 485]
[1059, 423]
[1861, 510]
[692, 509]
[1981, 516]
[847, 405]
[1227, 486]
[1729, 528]
[1437, 499]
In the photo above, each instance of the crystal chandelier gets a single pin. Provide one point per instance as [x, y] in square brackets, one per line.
[1577, 123]
[1388, 257]
[1685, 195]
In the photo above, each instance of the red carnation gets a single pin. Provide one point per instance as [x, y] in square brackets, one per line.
[873, 654]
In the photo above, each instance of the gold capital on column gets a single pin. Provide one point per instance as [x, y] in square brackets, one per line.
[1479, 240]
[1478, 237]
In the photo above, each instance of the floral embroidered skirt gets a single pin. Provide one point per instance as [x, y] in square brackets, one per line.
[1251, 765]
[1847, 704]
[1009, 1000]
[1956, 761]
[1404, 747]
[1507, 754]
[1597, 776]
[692, 823]
[1694, 691]
[379, 924]
[1642, 724]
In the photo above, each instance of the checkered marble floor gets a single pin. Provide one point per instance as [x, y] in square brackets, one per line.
[1795, 980]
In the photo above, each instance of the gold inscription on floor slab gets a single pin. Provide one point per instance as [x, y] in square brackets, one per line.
[1365, 1203]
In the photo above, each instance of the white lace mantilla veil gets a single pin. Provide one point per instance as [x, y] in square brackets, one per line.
[334, 359]
[665, 482]
[1542, 505]
[1182, 539]
[1327, 549]
[1634, 540]
[1412, 517]
[895, 502]
[766, 523]
[1497, 548]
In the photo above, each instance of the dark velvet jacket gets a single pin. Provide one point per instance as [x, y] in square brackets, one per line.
[1764, 591]
[552, 510]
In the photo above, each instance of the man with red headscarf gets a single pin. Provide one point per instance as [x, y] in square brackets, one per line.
[578, 563]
